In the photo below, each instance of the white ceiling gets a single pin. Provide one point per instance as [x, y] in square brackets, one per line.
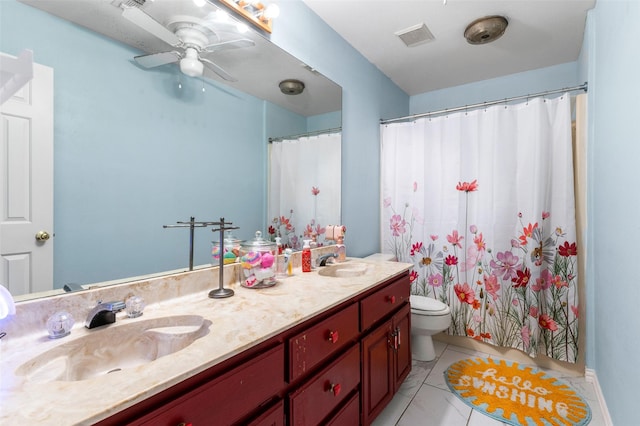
[258, 69]
[541, 33]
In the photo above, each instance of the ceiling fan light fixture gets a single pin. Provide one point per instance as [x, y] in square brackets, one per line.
[291, 87]
[190, 64]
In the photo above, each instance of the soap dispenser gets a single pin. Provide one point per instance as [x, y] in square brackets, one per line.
[306, 256]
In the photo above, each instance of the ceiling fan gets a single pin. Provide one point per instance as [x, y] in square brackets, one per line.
[191, 37]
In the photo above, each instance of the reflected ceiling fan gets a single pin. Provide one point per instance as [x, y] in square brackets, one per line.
[191, 38]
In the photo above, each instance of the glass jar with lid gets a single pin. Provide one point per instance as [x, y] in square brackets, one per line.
[231, 250]
[257, 261]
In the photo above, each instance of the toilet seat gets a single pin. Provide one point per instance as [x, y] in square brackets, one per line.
[421, 305]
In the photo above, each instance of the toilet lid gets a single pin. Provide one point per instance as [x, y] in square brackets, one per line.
[428, 304]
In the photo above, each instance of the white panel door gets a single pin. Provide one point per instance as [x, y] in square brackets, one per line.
[26, 186]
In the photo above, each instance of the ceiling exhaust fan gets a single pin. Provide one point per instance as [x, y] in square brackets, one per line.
[191, 38]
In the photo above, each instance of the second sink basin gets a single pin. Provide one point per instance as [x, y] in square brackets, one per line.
[347, 269]
[115, 348]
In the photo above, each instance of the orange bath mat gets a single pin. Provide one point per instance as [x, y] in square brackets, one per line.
[516, 394]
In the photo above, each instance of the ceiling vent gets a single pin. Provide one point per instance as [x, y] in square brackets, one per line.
[485, 30]
[415, 35]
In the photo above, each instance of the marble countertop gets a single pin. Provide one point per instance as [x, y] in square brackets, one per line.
[238, 323]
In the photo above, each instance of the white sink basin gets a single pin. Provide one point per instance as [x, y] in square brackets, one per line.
[347, 269]
[115, 348]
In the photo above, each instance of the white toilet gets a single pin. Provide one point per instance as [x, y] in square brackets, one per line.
[428, 317]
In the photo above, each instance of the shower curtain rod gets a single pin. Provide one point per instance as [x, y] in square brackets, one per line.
[302, 135]
[484, 104]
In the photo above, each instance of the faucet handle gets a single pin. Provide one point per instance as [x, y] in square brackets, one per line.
[114, 306]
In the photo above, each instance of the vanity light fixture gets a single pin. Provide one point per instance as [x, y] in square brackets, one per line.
[254, 11]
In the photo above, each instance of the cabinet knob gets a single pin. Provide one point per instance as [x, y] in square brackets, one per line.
[334, 336]
[334, 388]
[184, 424]
[391, 299]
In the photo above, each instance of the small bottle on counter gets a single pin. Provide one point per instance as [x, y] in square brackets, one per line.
[288, 264]
[313, 244]
[281, 260]
[341, 249]
[306, 257]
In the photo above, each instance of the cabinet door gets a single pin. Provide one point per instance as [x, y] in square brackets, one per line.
[402, 329]
[377, 376]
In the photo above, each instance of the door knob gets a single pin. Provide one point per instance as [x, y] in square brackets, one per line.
[42, 236]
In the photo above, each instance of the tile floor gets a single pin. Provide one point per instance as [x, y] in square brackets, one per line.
[424, 398]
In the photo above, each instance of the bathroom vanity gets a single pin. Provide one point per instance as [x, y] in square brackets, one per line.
[330, 349]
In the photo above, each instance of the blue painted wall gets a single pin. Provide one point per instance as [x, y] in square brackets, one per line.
[367, 96]
[613, 61]
[134, 152]
[535, 81]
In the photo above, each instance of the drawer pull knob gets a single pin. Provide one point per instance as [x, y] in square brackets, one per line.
[334, 336]
[391, 299]
[184, 424]
[334, 388]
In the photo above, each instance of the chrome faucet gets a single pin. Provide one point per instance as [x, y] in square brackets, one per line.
[322, 260]
[103, 313]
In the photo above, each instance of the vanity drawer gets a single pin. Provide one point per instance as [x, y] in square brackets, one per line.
[348, 415]
[384, 301]
[310, 347]
[228, 398]
[326, 390]
[272, 417]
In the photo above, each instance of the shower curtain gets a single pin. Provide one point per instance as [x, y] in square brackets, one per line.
[482, 204]
[304, 188]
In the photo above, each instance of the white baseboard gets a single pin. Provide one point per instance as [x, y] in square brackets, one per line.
[591, 377]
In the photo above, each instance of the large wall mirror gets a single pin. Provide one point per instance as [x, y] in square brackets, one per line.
[138, 147]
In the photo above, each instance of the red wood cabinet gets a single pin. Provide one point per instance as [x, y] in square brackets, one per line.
[386, 362]
[339, 368]
[313, 345]
[384, 301]
[227, 399]
[272, 417]
[325, 391]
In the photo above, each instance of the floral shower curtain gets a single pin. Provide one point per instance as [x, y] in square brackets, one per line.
[304, 187]
[482, 204]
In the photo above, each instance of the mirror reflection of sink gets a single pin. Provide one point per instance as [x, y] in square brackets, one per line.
[347, 269]
[115, 348]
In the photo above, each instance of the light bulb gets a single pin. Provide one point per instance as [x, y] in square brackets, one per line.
[190, 64]
[272, 11]
[222, 15]
[199, 3]
[242, 28]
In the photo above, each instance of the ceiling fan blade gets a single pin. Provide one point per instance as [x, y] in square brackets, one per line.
[157, 59]
[231, 44]
[150, 25]
[215, 68]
